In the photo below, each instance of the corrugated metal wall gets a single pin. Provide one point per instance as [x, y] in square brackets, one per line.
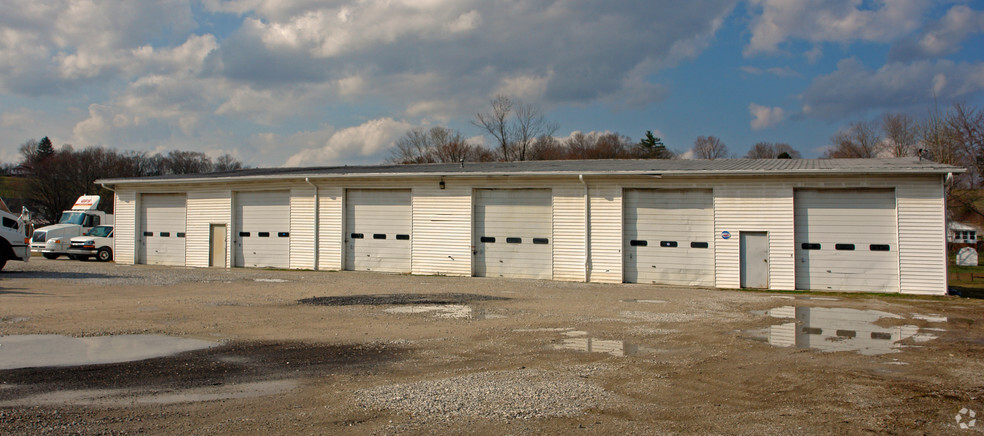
[568, 232]
[754, 207]
[605, 235]
[302, 225]
[206, 207]
[331, 209]
[442, 229]
[922, 237]
[125, 230]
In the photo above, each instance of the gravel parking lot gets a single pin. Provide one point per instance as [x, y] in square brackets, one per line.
[312, 352]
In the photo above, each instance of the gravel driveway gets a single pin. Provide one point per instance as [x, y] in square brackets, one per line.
[315, 352]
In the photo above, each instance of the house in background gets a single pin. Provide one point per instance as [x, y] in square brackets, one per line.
[960, 233]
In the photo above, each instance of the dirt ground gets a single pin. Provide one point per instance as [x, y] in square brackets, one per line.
[304, 352]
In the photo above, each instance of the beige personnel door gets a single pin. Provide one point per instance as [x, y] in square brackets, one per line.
[217, 245]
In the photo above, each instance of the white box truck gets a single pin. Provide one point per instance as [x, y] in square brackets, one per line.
[53, 241]
[15, 231]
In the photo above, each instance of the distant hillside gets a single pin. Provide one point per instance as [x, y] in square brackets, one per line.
[13, 190]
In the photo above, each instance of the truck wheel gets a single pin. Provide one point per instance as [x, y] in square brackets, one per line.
[50, 255]
[104, 255]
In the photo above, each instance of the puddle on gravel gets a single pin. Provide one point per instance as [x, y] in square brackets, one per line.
[633, 300]
[840, 329]
[577, 340]
[399, 299]
[270, 280]
[228, 371]
[29, 351]
[453, 311]
[803, 297]
[15, 319]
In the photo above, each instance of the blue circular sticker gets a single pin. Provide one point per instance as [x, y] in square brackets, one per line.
[725, 235]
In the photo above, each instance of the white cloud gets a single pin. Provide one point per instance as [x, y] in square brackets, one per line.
[774, 71]
[147, 78]
[465, 22]
[48, 47]
[854, 88]
[942, 37]
[353, 144]
[530, 87]
[764, 117]
[842, 21]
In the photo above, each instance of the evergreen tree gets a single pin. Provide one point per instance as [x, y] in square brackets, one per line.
[45, 149]
[652, 147]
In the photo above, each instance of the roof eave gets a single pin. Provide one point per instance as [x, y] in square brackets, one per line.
[673, 173]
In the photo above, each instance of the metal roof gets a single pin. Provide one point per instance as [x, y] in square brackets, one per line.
[613, 167]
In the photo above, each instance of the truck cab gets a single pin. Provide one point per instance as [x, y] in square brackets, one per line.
[97, 242]
[14, 231]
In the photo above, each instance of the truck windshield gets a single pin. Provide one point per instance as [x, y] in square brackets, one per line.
[99, 231]
[72, 218]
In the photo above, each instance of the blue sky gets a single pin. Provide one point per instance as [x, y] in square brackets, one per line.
[305, 82]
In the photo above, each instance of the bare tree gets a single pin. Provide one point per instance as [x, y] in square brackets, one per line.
[769, 150]
[530, 124]
[516, 133]
[412, 147]
[450, 146]
[227, 163]
[496, 124]
[966, 124]
[578, 145]
[901, 133]
[547, 148]
[709, 147]
[939, 140]
[860, 140]
[439, 144]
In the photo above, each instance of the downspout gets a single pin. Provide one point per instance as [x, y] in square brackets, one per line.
[317, 216]
[587, 230]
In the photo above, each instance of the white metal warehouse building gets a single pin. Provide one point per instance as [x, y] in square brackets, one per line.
[847, 224]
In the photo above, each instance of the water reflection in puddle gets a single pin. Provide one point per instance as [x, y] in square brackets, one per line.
[838, 329]
[579, 341]
[453, 311]
[633, 300]
[803, 297]
[29, 351]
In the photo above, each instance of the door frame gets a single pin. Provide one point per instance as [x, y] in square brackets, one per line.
[212, 228]
[743, 263]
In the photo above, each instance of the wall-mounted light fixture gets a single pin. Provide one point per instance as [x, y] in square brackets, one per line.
[441, 184]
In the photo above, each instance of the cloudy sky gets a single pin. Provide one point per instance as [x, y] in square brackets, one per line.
[308, 82]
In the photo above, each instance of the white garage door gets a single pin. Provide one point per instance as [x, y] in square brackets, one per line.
[262, 235]
[377, 230]
[513, 233]
[846, 240]
[669, 236]
[162, 229]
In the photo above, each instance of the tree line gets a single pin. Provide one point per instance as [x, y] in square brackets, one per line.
[521, 132]
[57, 177]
